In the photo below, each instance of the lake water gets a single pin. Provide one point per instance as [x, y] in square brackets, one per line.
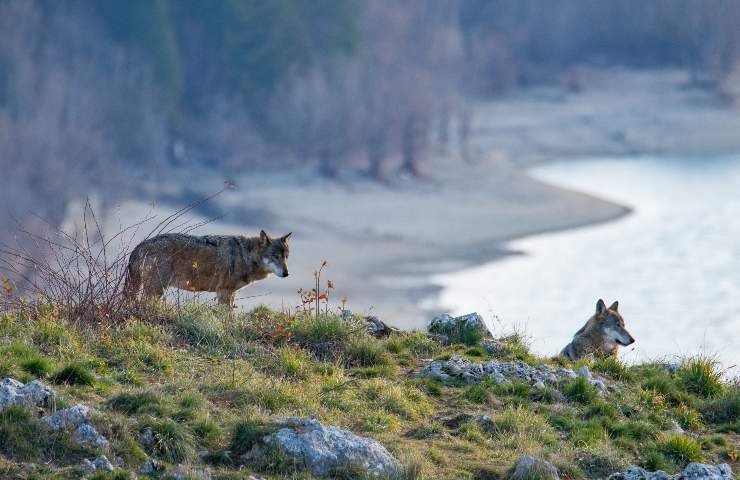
[673, 264]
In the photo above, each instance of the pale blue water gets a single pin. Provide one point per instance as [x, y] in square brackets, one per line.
[674, 264]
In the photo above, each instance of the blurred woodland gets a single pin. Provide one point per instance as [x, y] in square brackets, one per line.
[97, 95]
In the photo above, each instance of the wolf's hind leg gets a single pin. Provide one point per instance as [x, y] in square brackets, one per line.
[226, 297]
[153, 290]
[157, 277]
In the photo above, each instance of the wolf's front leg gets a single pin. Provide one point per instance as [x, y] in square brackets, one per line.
[226, 297]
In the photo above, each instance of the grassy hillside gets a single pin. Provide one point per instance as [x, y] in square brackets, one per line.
[207, 384]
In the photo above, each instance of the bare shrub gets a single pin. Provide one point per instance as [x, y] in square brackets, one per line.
[80, 274]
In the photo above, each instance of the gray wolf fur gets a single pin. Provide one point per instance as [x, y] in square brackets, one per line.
[213, 263]
[601, 335]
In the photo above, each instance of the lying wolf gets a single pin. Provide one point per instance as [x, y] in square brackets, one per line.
[213, 263]
[601, 335]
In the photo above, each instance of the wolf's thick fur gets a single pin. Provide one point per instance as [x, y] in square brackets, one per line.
[601, 335]
[212, 263]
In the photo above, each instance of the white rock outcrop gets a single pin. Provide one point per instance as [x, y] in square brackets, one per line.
[32, 394]
[326, 449]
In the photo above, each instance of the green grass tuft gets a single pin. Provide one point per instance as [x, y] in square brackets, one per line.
[173, 442]
[325, 335]
[208, 432]
[724, 409]
[580, 390]
[20, 432]
[245, 434]
[478, 393]
[132, 403]
[367, 352]
[39, 367]
[201, 327]
[73, 374]
[701, 375]
[417, 344]
[191, 400]
[291, 362]
[680, 448]
[613, 367]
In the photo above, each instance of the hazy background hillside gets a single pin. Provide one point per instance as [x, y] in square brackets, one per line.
[106, 97]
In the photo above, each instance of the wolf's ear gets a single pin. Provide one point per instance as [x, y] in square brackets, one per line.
[600, 306]
[614, 306]
[285, 238]
[265, 238]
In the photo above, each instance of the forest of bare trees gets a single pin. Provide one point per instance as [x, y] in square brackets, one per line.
[97, 95]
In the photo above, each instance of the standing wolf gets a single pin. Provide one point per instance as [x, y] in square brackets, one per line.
[212, 263]
[601, 335]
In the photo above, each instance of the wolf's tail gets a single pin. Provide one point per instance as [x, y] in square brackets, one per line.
[132, 283]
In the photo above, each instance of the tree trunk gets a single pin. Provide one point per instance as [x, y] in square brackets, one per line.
[412, 141]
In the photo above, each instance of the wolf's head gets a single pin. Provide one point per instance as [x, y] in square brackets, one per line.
[275, 253]
[611, 324]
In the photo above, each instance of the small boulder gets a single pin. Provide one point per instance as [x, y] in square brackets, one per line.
[86, 433]
[184, 472]
[323, 450]
[100, 464]
[700, 471]
[492, 347]
[672, 367]
[69, 418]
[528, 467]
[151, 467]
[693, 471]
[146, 437]
[439, 338]
[446, 324]
[377, 328]
[88, 466]
[600, 386]
[103, 464]
[637, 473]
[77, 419]
[33, 394]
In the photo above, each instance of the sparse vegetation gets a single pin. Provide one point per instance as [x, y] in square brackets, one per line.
[276, 364]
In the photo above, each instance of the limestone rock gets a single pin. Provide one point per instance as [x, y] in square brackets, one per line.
[529, 467]
[444, 323]
[700, 471]
[69, 418]
[33, 394]
[100, 464]
[150, 467]
[86, 433]
[77, 419]
[377, 328]
[326, 449]
[539, 376]
[693, 471]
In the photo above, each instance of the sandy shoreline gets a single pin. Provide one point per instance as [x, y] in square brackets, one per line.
[382, 242]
